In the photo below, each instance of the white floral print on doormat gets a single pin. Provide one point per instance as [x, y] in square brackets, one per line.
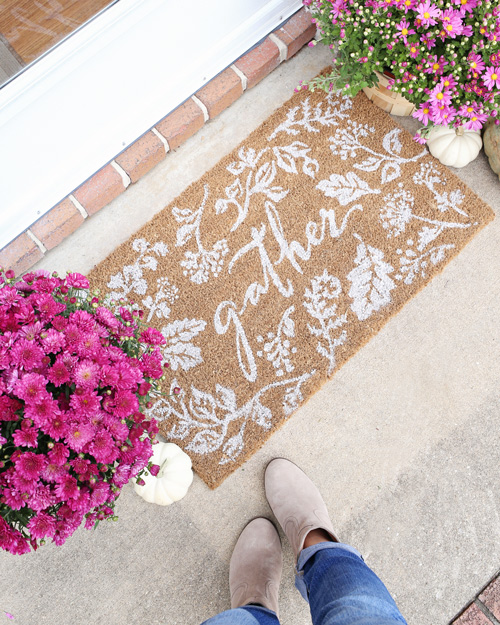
[271, 271]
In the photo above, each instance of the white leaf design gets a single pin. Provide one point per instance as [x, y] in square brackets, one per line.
[265, 175]
[184, 234]
[202, 406]
[227, 398]
[390, 172]
[179, 351]
[371, 284]
[370, 164]
[391, 142]
[205, 442]
[182, 214]
[345, 189]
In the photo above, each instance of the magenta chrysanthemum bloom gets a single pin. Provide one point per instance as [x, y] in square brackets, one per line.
[58, 374]
[13, 498]
[66, 487]
[26, 355]
[42, 498]
[128, 377]
[107, 318]
[48, 307]
[31, 387]
[152, 336]
[102, 447]
[41, 412]
[87, 403]
[31, 331]
[53, 472]
[100, 494]
[78, 435]
[55, 426]
[30, 465]
[42, 525]
[53, 341]
[77, 281]
[491, 77]
[88, 344]
[125, 403]
[58, 454]
[26, 436]
[427, 12]
[436, 66]
[86, 374]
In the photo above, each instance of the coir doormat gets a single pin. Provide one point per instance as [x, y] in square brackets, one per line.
[273, 269]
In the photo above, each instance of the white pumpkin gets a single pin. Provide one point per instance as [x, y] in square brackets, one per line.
[454, 147]
[173, 479]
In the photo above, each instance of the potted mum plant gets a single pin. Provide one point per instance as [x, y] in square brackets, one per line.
[442, 56]
[75, 378]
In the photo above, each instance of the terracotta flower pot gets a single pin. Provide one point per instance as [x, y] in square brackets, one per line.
[388, 101]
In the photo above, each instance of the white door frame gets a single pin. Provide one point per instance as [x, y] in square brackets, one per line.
[100, 89]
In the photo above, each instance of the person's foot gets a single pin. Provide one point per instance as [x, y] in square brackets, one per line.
[298, 505]
[255, 567]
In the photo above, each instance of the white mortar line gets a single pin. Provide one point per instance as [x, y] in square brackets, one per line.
[243, 78]
[42, 247]
[283, 48]
[77, 205]
[122, 172]
[202, 106]
[161, 138]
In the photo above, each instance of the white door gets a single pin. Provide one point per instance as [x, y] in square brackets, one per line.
[80, 105]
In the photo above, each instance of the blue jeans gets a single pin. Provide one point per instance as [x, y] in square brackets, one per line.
[340, 589]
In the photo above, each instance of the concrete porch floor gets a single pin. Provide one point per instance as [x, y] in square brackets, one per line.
[402, 442]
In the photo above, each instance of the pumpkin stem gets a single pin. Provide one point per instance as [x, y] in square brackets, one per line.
[459, 131]
[163, 466]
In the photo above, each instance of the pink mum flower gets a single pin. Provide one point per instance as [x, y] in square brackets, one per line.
[476, 122]
[491, 77]
[58, 374]
[52, 341]
[126, 403]
[436, 66]
[414, 50]
[79, 434]
[86, 374]
[66, 487]
[426, 12]
[77, 281]
[26, 355]
[476, 62]
[151, 336]
[452, 23]
[42, 525]
[87, 403]
[42, 411]
[404, 30]
[58, 454]
[55, 426]
[440, 96]
[42, 498]
[26, 436]
[30, 465]
[466, 6]
[102, 447]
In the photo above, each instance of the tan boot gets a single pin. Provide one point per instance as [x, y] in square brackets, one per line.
[255, 567]
[296, 502]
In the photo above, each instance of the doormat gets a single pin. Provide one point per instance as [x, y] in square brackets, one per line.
[271, 271]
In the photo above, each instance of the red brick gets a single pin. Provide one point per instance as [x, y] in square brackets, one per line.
[181, 124]
[142, 156]
[57, 224]
[220, 92]
[20, 254]
[100, 190]
[491, 597]
[298, 31]
[259, 62]
[472, 616]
